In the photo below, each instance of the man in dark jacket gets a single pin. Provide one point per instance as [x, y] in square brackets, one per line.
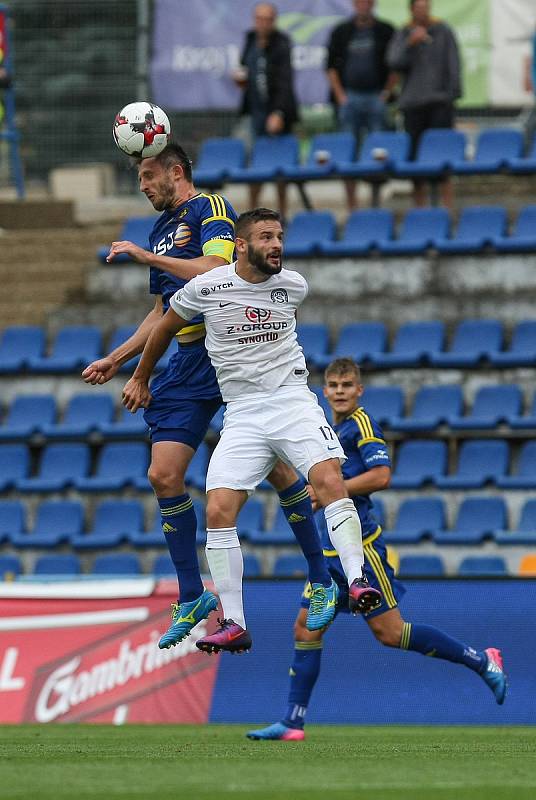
[425, 53]
[267, 81]
[358, 74]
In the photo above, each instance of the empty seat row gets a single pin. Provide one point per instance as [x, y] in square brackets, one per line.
[23, 348]
[383, 154]
[479, 228]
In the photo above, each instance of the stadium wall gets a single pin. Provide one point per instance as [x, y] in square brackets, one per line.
[86, 652]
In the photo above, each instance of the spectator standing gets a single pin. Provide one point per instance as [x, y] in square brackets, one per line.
[359, 76]
[425, 53]
[266, 78]
[530, 86]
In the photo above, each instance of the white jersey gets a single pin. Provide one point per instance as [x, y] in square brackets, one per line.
[251, 328]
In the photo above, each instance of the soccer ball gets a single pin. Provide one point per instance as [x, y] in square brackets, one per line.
[141, 129]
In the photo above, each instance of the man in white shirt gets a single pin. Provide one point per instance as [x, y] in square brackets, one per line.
[249, 309]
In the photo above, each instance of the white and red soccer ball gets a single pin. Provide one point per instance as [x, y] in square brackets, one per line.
[141, 129]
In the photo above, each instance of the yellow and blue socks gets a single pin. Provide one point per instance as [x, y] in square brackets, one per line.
[304, 673]
[431, 641]
[296, 505]
[179, 525]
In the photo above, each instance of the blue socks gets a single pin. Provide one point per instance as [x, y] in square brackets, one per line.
[304, 672]
[298, 510]
[431, 641]
[179, 525]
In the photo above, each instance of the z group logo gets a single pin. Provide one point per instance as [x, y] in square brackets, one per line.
[258, 314]
[279, 296]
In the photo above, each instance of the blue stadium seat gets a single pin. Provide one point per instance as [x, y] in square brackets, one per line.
[12, 519]
[85, 413]
[474, 341]
[525, 531]
[216, 157]
[252, 566]
[163, 567]
[481, 461]
[314, 340]
[14, 464]
[478, 518]
[290, 567]
[419, 462]
[415, 344]
[10, 567]
[322, 401]
[20, 343]
[128, 426]
[61, 465]
[438, 150]
[378, 511]
[495, 148]
[527, 420]
[216, 423]
[523, 165]
[362, 341]
[478, 227]
[27, 415]
[366, 230]
[492, 406]
[279, 532]
[421, 229]
[432, 407]
[117, 564]
[417, 518]
[251, 519]
[73, 349]
[522, 350]
[339, 148]
[119, 336]
[65, 565]
[481, 566]
[306, 231]
[114, 521]
[421, 566]
[269, 157]
[196, 474]
[396, 145]
[56, 522]
[384, 403]
[525, 474]
[522, 239]
[119, 464]
[136, 230]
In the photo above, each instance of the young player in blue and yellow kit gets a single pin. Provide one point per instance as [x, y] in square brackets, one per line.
[193, 234]
[368, 469]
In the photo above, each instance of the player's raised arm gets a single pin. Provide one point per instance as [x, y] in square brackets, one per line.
[185, 268]
[136, 392]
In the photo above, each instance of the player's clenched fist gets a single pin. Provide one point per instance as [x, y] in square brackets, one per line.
[100, 371]
[136, 395]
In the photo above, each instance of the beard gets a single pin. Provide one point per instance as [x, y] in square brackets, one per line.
[257, 259]
[164, 196]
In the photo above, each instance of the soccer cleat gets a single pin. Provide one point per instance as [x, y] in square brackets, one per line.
[322, 606]
[185, 616]
[230, 637]
[278, 731]
[494, 674]
[363, 598]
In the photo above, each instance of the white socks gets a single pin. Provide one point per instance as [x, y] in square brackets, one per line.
[344, 528]
[226, 565]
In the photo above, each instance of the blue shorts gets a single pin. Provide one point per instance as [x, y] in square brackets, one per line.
[379, 572]
[185, 397]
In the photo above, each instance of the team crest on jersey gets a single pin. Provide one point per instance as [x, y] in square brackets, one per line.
[183, 213]
[279, 296]
[258, 314]
[183, 234]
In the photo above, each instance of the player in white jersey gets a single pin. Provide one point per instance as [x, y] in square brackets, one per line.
[249, 309]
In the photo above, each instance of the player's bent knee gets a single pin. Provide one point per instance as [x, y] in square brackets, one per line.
[221, 510]
[165, 481]
[327, 481]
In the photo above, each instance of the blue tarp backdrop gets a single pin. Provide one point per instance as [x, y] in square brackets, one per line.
[363, 682]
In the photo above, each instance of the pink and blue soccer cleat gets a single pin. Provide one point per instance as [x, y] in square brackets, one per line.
[230, 637]
[494, 674]
[278, 731]
[363, 598]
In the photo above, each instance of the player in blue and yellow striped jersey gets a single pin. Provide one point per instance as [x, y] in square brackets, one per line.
[368, 469]
[193, 234]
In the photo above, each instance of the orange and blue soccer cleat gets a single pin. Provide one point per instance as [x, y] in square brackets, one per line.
[494, 674]
[278, 731]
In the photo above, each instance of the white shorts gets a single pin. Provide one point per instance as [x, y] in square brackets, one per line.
[288, 424]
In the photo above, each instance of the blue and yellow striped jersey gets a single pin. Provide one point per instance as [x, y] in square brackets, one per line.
[202, 226]
[362, 441]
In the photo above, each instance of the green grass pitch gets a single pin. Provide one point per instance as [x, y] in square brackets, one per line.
[217, 761]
